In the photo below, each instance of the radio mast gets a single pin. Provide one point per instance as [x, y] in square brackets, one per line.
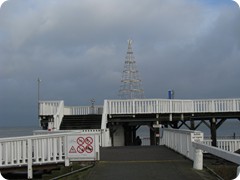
[131, 84]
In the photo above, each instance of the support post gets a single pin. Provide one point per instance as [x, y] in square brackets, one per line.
[175, 124]
[29, 165]
[198, 159]
[238, 172]
[152, 137]
[214, 132]
[67, 162]
[192, 124]
[134, 134]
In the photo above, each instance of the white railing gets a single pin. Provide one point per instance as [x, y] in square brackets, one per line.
[230, 156]
[39, 149]
[32, 150]
[181, 140]
[82, 110]
[52, 108]
[231, 145]
[46, 149]
[146, 106]
[138, 106]
[189, 143]
[48, 107]
[58, 116]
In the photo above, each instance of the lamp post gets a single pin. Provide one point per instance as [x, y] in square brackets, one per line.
[92, 107]
[39, 81]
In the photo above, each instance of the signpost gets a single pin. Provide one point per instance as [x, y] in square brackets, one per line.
[82, 147]
[197, 136]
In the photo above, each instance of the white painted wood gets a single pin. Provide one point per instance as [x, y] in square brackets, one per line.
[233, 157]
[30, 161]
[193, 141]
[231, 145]
[38, 149]
[147, 106]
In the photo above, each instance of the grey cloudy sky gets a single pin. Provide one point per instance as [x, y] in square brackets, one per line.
[78, 49]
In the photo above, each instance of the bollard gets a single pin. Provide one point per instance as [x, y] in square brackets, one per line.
[198, 159]
[238, 172]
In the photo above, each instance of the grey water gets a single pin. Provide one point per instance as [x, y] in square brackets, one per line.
[16, 131]
[229, 128]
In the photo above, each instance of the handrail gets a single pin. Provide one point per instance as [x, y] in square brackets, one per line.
[191, 145]
[58, 116]
[48, 107]
[32, 150]
[181, 140]
[230, 156]
[231, 145]
[41, 149]
[136, 106]
[55, 109]
[82, 110]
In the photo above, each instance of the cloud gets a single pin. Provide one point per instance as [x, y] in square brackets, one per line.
[78, 49]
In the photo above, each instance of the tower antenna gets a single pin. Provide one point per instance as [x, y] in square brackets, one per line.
[131, 84]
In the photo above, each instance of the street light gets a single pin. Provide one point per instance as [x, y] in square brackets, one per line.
[39, 81]
[92, 107]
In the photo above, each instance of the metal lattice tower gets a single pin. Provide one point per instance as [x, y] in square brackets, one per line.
[131, 85]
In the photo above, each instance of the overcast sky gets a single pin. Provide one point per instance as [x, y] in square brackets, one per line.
[78, 49]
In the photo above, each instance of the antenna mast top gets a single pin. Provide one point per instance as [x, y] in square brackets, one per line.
[131, 84]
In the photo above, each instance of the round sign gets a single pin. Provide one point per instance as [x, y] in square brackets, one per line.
[80, 149]
[89, 148]
[88, 140]
[80, 140]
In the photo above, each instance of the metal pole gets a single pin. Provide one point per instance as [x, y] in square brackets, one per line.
[92, 105]
[39, 81]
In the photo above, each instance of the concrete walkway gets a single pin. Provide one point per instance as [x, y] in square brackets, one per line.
[141, 163]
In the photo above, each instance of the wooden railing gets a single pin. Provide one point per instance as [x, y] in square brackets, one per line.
[145, 106]
[49, 107]
[41, 149]
[53, 108]
[139, 106]
[82, 110]
[231, 145]
[32, 150]
[190, 144]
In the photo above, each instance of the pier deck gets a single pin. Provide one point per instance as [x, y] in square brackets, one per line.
[144, 162]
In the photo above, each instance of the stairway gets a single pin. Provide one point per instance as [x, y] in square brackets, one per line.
[70, 122]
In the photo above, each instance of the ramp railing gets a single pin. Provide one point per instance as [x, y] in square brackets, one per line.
[190, 144]
[231, 145]
[46, 149]
[54, 109]
[181, 140]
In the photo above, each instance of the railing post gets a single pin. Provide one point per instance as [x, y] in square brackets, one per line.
[30, 171]
[198, 159]
[238, 172]
[213, 106]
[133, 107]
[67, 161]
[234, 105]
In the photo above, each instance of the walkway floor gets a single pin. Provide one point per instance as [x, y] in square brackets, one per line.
[144, 162]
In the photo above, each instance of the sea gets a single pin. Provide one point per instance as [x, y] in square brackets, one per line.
[17, 131]
[230, 128]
